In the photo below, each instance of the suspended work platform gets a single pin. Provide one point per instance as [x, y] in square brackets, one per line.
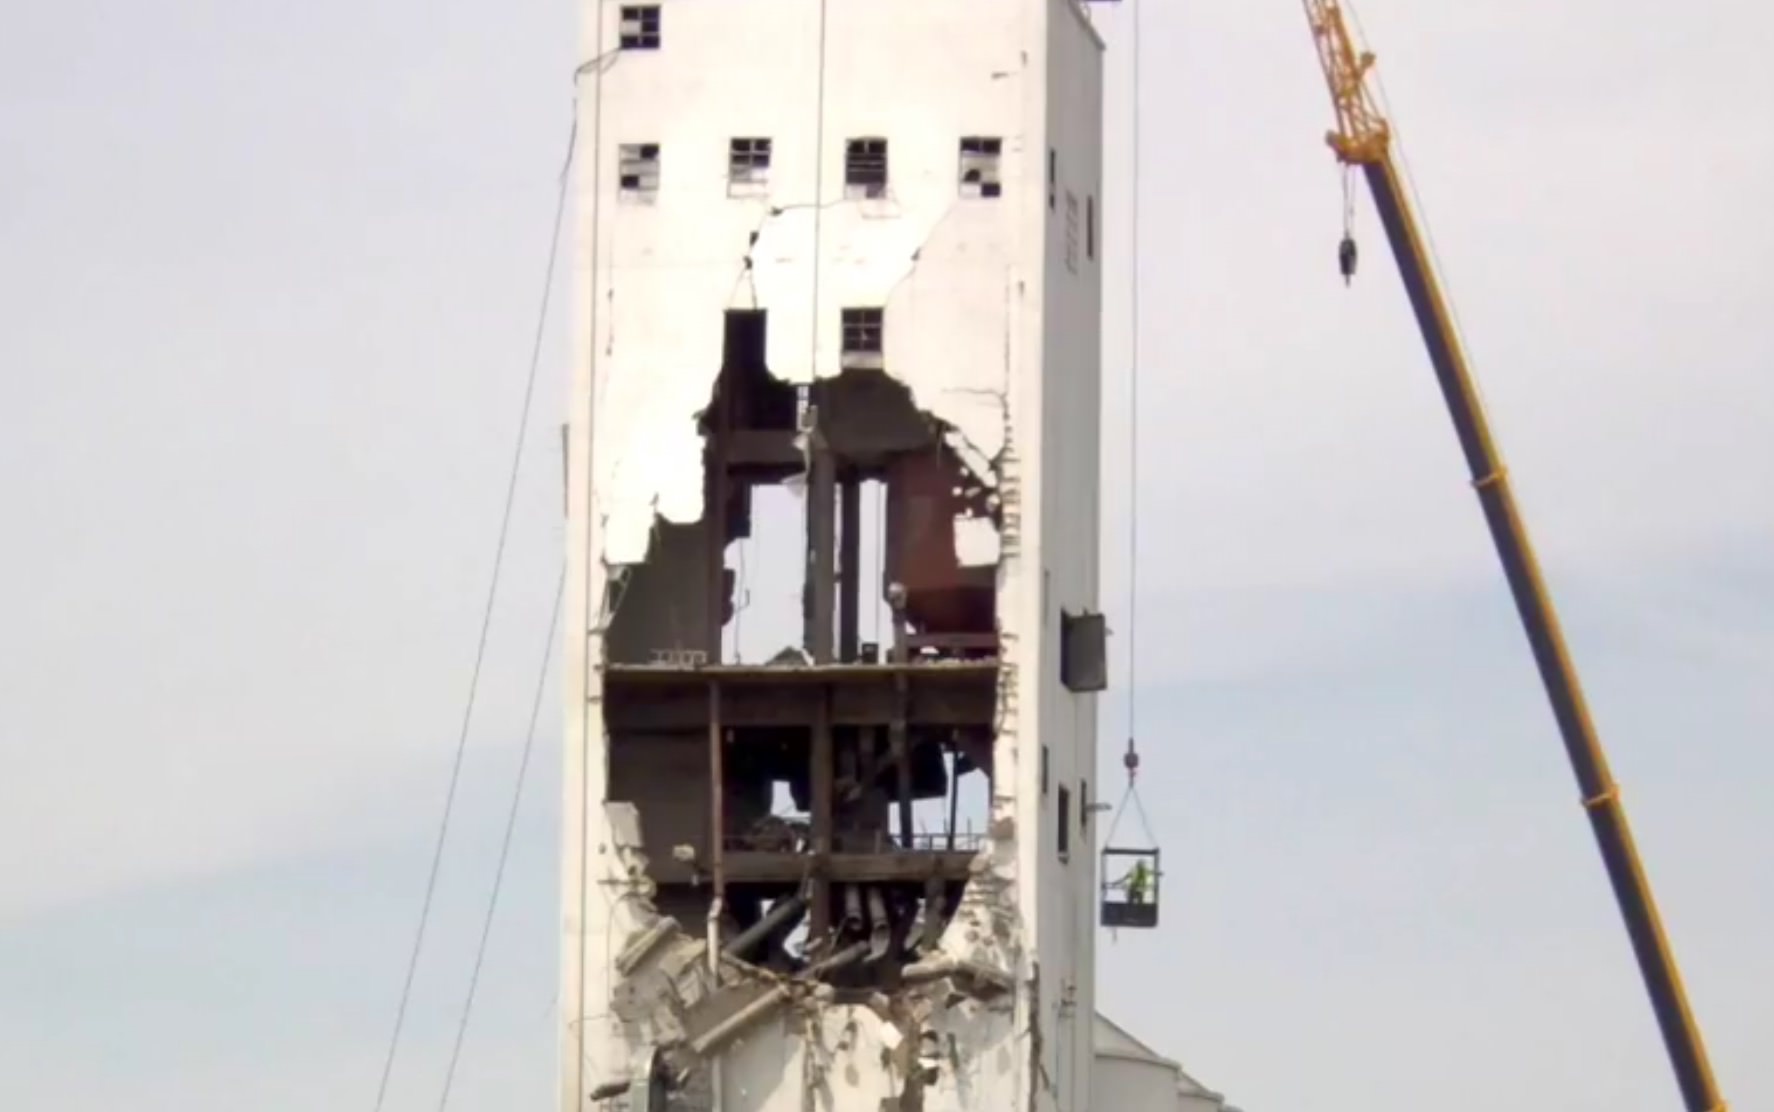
[1130, 887]
[1130, 874]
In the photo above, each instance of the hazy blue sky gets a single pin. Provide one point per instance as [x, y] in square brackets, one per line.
[269, 276]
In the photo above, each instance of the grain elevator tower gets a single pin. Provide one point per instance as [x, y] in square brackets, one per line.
[839, 256]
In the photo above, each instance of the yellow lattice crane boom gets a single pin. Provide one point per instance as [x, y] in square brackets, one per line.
[1362, 141]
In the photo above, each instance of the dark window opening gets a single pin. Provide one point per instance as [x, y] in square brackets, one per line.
[639, 28]
[637, 168]
[981, 167]
[1052, 178]
[865, 168]
[1044, 770]
[1083, 805]
[1090, 226]
[862, 331]
[748, 161]
[1065, 822]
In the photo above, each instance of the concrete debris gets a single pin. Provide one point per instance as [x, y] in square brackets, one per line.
[974, 978]
[625, 826]
[643, 945]
[731, 1010]
[669, 998]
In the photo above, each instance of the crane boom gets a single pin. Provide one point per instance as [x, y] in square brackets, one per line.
[1362, 140]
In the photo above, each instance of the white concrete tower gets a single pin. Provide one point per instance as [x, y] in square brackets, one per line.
[839, 248]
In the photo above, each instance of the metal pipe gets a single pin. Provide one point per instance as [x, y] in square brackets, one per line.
[849, 955]
[880, 928]
[725, 1030]
[850, 565]
[821, 773]
[767, 1002]
[954, 794]
[715, 483]
[821, 551]
[778, 916]
[716, 594]
[717, 906]
[898, 744]
[852, 907]
[717, 1075]
[934, 969]
[717, 796]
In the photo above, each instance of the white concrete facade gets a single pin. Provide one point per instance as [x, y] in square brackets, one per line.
[990, 315]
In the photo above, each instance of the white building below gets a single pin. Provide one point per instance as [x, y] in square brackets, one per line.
[1129, 1076]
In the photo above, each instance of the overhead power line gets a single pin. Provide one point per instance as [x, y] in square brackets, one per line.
[480, 650]
[517, 795]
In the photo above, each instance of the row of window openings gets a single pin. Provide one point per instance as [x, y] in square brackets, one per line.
[640, 30]
[862, 337]
[1063, 829]
[865, 172]
[979, 172]
[865, 161]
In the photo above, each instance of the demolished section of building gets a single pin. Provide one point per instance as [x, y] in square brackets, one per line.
[773, 898]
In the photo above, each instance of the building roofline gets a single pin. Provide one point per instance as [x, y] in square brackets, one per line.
[1082, 15]
[1137, 1050]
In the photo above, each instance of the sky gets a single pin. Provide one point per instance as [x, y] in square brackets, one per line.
[271, 275]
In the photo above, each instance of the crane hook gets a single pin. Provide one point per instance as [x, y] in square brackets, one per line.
[1347, 258]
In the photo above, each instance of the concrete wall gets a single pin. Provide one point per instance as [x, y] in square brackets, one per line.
[1069, 481]
[991, 311]
[920, 73]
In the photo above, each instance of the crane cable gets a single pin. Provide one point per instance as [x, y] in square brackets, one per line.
[1131, 796]
[480, 651]
[1402, 162]
[1132, 759]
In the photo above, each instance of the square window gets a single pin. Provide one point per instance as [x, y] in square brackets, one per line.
[981, 166]
[865, 168]
[638, 169]
[748, 163]
[862, 330]
[639, 28]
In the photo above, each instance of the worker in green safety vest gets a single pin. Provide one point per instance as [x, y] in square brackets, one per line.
[1139, 880]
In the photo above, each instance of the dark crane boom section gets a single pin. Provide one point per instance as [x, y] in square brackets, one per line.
[1363, 141]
